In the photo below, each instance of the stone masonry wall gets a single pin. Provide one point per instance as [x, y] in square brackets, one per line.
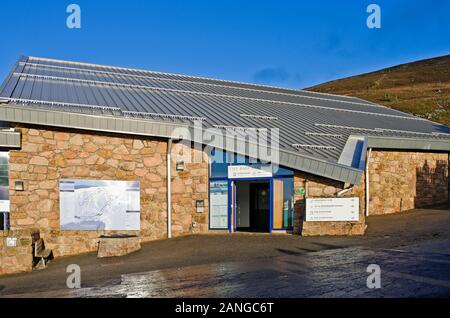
[47, 156]
[188, 186]
[401, 181]
[19, 258]
[318, 187]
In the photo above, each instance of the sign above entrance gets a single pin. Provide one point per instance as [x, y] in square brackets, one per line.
[332, 209]
[250, 172]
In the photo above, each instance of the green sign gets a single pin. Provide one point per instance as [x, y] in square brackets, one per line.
[300, 191]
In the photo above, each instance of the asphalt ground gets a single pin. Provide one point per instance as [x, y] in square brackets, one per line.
[246, 265]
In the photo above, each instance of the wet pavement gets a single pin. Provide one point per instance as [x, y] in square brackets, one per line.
[413, 252]
[417, 271]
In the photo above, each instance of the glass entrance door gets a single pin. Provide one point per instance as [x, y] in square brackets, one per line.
[260, 207]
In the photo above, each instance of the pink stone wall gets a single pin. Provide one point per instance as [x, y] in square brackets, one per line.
[19, 258]
[401, 181]
[318, 187]
[188, 186]
[49, 155]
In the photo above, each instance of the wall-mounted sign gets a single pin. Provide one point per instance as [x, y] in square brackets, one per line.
[11, 241]
[4, 205]
[218, 199]
[99, 205]
[252, 171]
[332, 209]
[200, 205]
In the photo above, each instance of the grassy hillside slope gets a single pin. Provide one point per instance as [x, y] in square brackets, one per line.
[421, 88]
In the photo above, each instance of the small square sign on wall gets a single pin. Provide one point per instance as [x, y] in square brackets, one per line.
[200, 205]
[11, 241]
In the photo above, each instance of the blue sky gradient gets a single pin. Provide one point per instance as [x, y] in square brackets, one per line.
[284, 43]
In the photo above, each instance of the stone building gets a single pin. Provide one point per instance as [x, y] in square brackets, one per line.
[90, 150]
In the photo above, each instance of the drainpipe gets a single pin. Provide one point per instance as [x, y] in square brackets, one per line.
[169, 190]
[369, 152]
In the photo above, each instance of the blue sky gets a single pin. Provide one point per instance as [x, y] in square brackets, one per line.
[283, 43]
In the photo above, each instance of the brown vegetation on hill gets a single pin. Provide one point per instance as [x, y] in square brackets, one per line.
[421, 88]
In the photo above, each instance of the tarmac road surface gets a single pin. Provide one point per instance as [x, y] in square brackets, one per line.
[411, 249]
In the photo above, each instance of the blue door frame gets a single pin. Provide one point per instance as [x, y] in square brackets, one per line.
[232, 194]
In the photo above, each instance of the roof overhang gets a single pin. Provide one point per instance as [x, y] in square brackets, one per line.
[349, 168]
[400, 143]
[9, 139]
[131, 126]
[45, 117]
[354, 152]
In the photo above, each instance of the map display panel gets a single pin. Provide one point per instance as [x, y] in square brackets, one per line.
[99, 205]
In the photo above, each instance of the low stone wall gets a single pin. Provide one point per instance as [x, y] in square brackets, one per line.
[318, 187]
[118, 246]
[401, 180]
[19, 258]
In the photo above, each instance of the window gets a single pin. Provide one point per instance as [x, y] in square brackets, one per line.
[288, 203]
[218, 164]
[4, 191]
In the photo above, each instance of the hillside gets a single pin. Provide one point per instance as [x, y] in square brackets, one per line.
[421, 88]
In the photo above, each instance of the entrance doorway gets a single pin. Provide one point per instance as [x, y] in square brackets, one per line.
[260, 207]
[253, 199]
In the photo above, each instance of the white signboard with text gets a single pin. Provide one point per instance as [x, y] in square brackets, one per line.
[253, 171]
[218, 198]
[332, 210]
[4, 205]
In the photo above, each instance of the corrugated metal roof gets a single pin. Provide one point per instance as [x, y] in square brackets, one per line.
[311, 124]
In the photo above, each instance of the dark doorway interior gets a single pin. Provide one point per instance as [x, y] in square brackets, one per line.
[253, 206]
[260, 207]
